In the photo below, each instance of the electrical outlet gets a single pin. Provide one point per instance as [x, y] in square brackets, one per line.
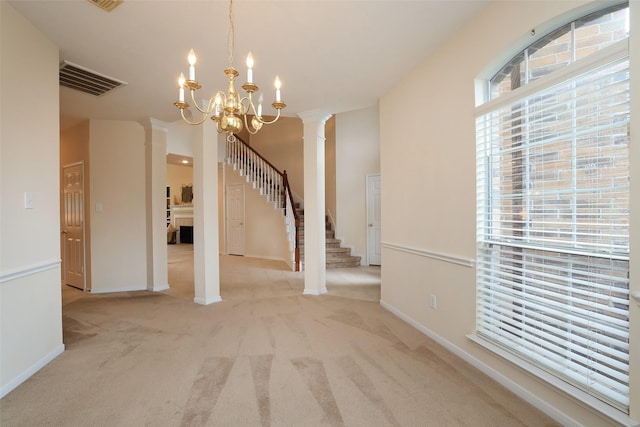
[434, 302]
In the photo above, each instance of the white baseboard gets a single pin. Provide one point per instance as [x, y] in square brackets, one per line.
[114, 290]
[314, 292]
[207, 301]
[31, 370]
[160, 288]
[515, 388]
[270, 258]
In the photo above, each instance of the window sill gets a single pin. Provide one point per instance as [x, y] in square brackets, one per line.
[577, 394]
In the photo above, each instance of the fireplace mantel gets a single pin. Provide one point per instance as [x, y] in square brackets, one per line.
[181, 215]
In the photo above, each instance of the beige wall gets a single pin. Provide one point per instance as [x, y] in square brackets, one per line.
[265, 232]
[357, 155]
[180, 137]
[30, 297]
[330, 169]
[431, 159]
[117, 205]
[281, 144]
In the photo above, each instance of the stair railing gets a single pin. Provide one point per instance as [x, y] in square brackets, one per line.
[293, 219]
[271, 183]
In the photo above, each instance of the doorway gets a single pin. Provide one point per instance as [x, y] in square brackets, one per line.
[374, 223]
[73, 229]
[235, 219]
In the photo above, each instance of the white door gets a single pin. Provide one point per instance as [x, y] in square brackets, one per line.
[373, 220]
[235, 219]
[73, 226]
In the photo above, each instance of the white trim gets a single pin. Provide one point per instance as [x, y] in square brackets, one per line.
[207, 301]
[115, 290]
[454, 259]
[314, 292]
[160, 288]
[596, 404]
[512, 386]
[25, 375]
[617, 51]
[270, 258]
[541, 31]
[8, 276]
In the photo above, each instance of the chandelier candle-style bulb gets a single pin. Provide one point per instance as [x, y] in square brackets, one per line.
[181, 81]
[278, 84]
[260, 105]
[249, 68]
[192, 64]
[218, 101]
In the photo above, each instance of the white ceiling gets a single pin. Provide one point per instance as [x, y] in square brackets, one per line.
[330, 55]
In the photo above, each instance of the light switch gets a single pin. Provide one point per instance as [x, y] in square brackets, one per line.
[28, 200]
[98, 207]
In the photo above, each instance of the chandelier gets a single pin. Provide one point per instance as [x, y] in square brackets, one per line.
[229, 110]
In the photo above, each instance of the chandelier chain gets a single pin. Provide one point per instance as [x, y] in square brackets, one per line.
[231, 33]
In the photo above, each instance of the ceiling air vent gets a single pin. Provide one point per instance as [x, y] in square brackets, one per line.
[107, 5]
[86, 80]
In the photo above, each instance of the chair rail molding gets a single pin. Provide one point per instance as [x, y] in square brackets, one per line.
[28, 270]
[441, 256]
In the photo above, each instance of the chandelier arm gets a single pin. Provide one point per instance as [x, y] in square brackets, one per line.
[250, 105]
[266, 122]
[249, 128]
[208, 110]
[198, 122]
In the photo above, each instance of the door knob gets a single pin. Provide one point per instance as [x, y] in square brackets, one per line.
[370, 225]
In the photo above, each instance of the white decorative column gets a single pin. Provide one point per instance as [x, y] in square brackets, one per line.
[315, 255]
[206, 257]
[155, 190]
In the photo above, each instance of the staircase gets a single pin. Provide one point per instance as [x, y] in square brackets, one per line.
[270, 182]
[274, 186]
[336, 255]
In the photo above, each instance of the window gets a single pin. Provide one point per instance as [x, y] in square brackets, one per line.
[553, 206]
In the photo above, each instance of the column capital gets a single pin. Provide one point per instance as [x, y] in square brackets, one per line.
[315, 116]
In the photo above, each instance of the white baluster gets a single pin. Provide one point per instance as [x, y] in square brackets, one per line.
[235, 155]
[244, 160]
[270, 184]
[255, 170]
[278, 190]
[276, 181]
[263, 171]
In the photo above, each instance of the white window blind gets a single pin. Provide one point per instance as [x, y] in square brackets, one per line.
[553, 237]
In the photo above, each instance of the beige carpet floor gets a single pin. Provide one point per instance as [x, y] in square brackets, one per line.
[264, 356]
